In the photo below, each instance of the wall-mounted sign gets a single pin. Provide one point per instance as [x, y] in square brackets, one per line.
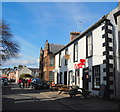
[67, 56]
[81, 64]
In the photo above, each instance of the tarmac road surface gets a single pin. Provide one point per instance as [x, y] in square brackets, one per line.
[27, 99]
[15, 98]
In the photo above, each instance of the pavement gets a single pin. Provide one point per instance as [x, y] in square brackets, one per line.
[81, 103]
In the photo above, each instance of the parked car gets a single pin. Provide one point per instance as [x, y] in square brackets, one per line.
[38, 83]
[3, 81]
[11, 80]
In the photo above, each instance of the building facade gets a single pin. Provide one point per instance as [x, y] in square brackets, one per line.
[92, 59]
[26, 70]
[47, 61]
[15, 72]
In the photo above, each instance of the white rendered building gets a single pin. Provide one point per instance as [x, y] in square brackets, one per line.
[92, 58]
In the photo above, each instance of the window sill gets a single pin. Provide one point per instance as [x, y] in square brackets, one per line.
[89, 56]
[75, 61]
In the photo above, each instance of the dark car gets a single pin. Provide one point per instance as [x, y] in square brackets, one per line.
[38, 83]
[3, 81]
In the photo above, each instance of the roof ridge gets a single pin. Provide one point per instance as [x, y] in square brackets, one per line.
[56, 44]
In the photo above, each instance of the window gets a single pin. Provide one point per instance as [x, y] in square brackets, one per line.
[89, 46]
[59, 59]
[77, 79]
[66, 61]
[71, 78]
[75, 52]
[51, 76]
[96, 77]
[51, 61]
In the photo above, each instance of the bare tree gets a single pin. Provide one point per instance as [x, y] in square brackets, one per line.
[8, 47]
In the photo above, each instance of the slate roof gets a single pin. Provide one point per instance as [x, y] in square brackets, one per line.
[54, 48]
[34, 69]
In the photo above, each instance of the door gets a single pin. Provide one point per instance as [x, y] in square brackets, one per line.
[77, 77]
[65, 77]
[57, 78]
[85, 79]
[60, 77]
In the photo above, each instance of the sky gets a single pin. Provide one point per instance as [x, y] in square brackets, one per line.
[32, 23]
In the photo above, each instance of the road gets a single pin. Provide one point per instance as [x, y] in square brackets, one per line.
[27, 99]
[15, 98]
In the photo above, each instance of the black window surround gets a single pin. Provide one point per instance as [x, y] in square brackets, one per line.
[104, 44]
[104, 27]
[104, 61]
[116, 15]
[75, 52]
[60, 59]
[109, 31]
[96, 77]
[66, 61]
[89, 35]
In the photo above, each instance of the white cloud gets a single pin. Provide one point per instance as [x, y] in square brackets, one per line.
[74, 13]
[28, 55]
[16, 62]
[28, 49]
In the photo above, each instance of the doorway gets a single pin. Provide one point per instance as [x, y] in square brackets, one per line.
[57, 78]
[85, 78]
[65, 77]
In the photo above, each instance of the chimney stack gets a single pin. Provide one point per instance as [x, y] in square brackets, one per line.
[73, 35]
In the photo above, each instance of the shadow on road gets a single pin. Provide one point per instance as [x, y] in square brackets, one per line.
[14, 89]
[30, 100]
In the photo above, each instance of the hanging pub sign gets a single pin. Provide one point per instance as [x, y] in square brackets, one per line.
[67, 56]
[81, 64]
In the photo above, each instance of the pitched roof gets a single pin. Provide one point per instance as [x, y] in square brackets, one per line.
[34, 69]
[53, 48]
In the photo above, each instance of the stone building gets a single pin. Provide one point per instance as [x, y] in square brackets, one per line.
[47, 60]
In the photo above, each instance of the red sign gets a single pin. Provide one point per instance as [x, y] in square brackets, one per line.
[80, 65]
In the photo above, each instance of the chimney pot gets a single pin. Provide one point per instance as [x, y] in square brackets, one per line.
[73, 35]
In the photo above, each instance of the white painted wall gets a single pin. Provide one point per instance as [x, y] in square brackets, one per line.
[24, 70]
[97, 58]
[98, 50]
[97, 45]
